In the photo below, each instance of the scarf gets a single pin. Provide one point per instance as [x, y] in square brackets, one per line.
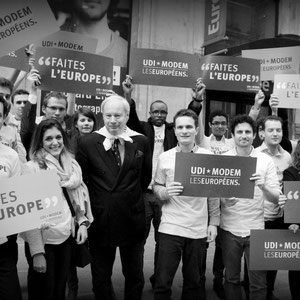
[109, 138]
[70, 176]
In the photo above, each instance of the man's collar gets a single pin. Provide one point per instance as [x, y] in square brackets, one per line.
[213, 138]
[250, 154]
[195, 148]
[264, 148]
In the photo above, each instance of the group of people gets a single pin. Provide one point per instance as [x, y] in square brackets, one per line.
[120, 178]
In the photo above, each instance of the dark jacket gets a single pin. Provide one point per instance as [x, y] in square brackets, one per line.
[147, 129]
[116, 197]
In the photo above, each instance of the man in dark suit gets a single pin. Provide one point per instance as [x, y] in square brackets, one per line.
[116, 174]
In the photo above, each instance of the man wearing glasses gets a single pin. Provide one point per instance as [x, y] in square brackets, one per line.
[161, 137]
[54, 106]
[216, 142]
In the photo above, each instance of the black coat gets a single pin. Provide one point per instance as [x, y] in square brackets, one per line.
[116, 196]
[147, 128]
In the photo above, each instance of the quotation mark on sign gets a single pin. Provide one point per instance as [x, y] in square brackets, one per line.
[53, 201]
[293, 195]
[106, 80]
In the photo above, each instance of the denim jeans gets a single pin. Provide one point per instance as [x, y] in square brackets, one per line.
[9, 281]
[132, 260]
[294, 283]
[218, 266]
[171, 249]
[271, 275]
[52, 284]
[233, 248]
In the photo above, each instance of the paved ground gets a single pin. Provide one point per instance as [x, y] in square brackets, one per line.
[85, 289]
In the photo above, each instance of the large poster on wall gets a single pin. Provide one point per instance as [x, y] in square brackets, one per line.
[113, 19]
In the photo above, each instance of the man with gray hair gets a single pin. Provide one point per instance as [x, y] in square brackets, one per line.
[116, 166]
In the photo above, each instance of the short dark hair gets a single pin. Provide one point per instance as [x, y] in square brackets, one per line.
[185, 113]
[87, 112]
[37, 140]
[18, 92]
[271, 118]
[239, 119]
[158, 101]
[216, 113]
[6, 106]
[6, 84]
[57, 95]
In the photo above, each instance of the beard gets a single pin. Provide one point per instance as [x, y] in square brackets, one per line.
[90, 14]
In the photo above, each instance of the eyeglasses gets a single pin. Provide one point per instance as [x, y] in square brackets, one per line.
[159, 112]
[55, 108]
[219, 123]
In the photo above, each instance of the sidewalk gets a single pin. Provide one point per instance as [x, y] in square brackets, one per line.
[85, 285]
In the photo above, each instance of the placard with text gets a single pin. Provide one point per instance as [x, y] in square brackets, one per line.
[16, 59]
[210, 175]
[74, 71]
[279, 60]
[274, 250]
[234, 74]
[287, 88]
[68, 40]
[163, 67]
[24, 21]
[292, 207]
[28, 201]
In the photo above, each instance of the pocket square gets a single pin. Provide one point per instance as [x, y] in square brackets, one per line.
[139, 153]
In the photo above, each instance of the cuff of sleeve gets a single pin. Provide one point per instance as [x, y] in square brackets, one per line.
[84, 221]
[214, 221]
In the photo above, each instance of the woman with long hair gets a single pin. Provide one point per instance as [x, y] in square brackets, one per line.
[50, 247]
[293, 174]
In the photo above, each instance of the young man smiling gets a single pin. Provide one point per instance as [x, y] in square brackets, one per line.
[187, 223]
[237, 220]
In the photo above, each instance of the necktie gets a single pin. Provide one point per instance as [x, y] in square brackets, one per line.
[116, 152]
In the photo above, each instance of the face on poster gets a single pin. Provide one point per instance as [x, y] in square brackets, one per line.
[114, 17]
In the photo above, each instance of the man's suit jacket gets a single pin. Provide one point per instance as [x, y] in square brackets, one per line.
[116, 195]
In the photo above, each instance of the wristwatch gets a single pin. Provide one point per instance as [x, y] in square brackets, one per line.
[85, 223]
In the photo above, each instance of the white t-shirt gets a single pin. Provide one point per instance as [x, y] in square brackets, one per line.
[248, 214]
[159, 137]
[181, 215]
